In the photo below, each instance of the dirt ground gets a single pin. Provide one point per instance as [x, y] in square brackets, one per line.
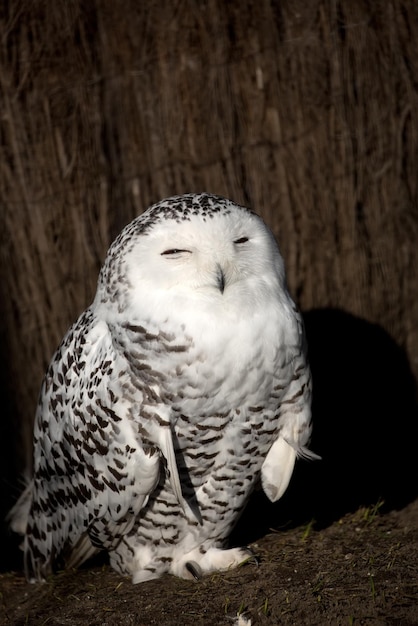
[359, 569]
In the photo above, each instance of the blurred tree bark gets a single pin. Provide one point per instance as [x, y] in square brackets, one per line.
[307, 112]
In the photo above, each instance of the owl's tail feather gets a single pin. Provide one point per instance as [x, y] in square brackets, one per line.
[304, 453]
[19, 514]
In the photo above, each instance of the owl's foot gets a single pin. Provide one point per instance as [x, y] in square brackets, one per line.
[195, 564]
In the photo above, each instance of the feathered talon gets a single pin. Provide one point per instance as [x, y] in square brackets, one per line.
[194, 569]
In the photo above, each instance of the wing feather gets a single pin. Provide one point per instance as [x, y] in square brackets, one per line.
[92, 470]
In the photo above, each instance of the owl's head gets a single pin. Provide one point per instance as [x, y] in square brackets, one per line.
[196, 250]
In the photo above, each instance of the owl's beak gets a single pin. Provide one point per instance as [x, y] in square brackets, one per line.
[220, 278]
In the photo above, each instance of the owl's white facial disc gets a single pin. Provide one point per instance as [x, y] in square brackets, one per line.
[201, 252]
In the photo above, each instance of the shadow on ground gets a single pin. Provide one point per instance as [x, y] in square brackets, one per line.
[365, 429]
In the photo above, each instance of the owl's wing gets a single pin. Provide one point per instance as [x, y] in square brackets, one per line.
[294, 381]
[93, 471]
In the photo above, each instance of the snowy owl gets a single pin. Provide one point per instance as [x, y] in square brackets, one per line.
[180, 388]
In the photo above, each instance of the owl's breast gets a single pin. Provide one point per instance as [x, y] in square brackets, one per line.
[212, 362]
[228, 366]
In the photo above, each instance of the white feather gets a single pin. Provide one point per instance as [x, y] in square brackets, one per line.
[277, 469]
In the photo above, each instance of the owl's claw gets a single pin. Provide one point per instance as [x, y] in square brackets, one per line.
[251, 558]
[194, 569]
